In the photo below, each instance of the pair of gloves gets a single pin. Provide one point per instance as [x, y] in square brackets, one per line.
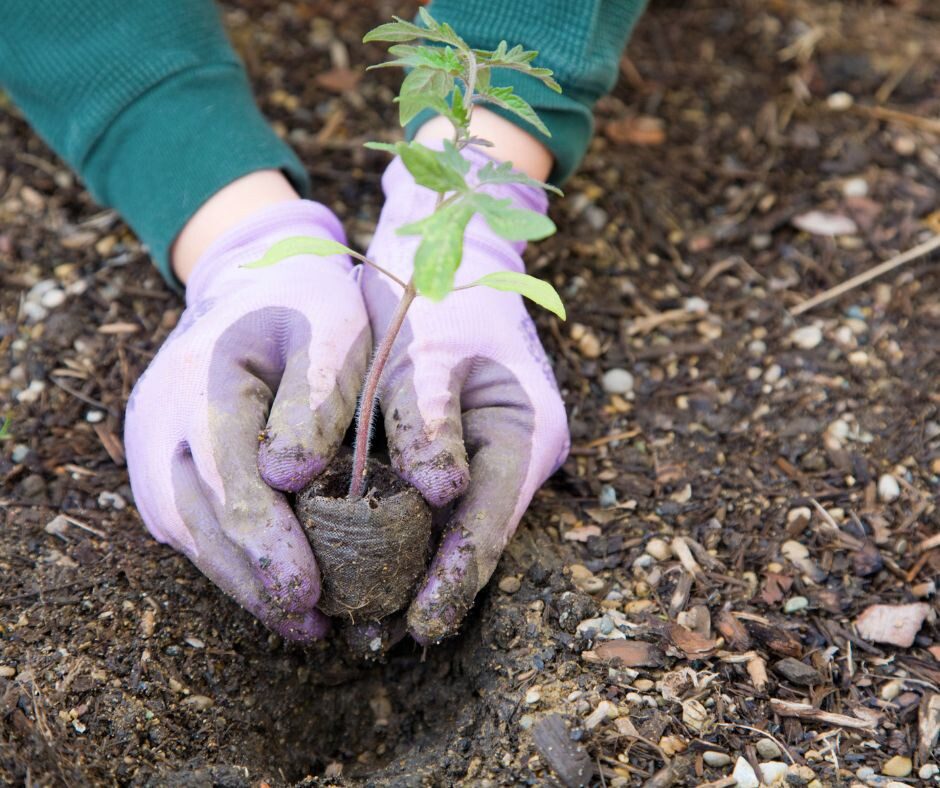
[250, 396]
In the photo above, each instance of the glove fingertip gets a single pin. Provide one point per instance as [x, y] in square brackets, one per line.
[302, 627]
[441, 479]
[288, 469]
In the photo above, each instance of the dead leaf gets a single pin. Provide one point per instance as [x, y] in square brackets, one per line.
[637, 130]
[692, 644]
[775, 587]
[338, 80]
[733, 631]
[896, 625]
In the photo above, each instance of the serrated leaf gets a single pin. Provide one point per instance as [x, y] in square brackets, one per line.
[443, 59]
[441, 249]
[517, 59]
[401, 30]
[454, 159]
[427, 80]
[537, 290]
[297, 245]
[431, 168]
[513, 224]
[410, 106]
[506, 98]
[504, 173]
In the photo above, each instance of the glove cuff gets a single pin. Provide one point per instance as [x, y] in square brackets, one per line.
[251, 238]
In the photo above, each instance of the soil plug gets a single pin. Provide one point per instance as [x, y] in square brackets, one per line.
[372, 545]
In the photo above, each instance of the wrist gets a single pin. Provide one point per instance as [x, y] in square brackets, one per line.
[223, 212]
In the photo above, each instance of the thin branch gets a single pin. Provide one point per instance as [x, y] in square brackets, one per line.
[780, 744]
[873, 273]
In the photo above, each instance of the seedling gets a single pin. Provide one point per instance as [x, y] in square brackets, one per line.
[452, 79]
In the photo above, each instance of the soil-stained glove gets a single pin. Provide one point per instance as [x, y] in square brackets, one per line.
[251, 394]
[471, 407]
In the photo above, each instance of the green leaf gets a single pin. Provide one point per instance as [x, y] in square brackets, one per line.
[388, 147]
[441, 249]
[504, 173]
[443, 59]
[297, 245]
[537, 290]
[454, 159]
[506, 98]
[423, 88]
[5, 428]
[517, 59]
[513, 224]
[401, 30]
[432, 168]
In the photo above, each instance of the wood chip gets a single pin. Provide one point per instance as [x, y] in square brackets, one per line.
[567, 758]
[630, 653]
[928, 724]
[112, 443]
[776, 639]
[338, 80]
[119, 328]
[692, 644]
[896, 625]
[804, 711]
[733, 631]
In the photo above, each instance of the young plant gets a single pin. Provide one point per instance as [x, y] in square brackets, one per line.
[450, 78]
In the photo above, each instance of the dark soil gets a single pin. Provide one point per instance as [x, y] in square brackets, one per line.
[371, 551]
[120, 663]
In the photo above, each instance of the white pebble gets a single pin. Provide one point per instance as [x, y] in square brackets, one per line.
[53, 298]
[794, 605]
[20, 452]
[768, 748]
[94, 416]
[111, 500]
[928, 770]
[888, 488]
[773, 773]
[744, 774]
[659, 549]
[855, 187]
[34, 311]
[32, 392]
[696, 304]
[714, 758]
[840, 101]
[38, 290]
[807, 337]
[617, 381]
[773, 374]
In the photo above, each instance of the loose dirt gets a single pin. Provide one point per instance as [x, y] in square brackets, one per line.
[665, 579]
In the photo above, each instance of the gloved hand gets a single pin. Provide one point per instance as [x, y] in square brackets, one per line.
[253, 390]
[470, 403]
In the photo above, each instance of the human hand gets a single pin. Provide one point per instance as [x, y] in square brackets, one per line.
[251, 394]
[471, 407]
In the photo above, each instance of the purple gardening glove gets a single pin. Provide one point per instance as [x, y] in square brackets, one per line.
[471, 407]
[253, 390]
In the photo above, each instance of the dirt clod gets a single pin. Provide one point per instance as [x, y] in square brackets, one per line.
[371, 551]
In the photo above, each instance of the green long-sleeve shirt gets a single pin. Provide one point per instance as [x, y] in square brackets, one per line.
[148, 102]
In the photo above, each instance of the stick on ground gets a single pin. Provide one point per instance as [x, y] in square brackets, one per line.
[873, 273]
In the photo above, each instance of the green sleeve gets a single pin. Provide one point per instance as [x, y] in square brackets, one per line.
[147, 101]
[580, 40]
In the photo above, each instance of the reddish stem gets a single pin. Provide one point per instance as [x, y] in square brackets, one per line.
[370, 390]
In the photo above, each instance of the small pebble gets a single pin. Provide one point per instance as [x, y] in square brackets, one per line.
[806, 337]
[199, 702]
[928, 770]
[617, 381]
[605, 710]
[744, 774]
[94, 416]
[659, 549]
[608, 497]
[526, 721]
[794, 551]
[855, 187]
[840, 101]
[891, 690]
[20, 452]
[800, 775]
[888, 488]
[533, 696]
[52, 298]
[768, 749]
[898, 766]
[773, 773]
[7, 672]
[111, 500]
[773, 374]
[195, 642]
[34, 311]
[794, 605]
[32, 392]
[716, 759]
[510, 584]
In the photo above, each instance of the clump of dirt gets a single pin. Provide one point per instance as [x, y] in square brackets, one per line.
[372, 550]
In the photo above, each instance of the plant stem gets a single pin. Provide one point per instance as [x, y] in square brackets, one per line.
[370, 391]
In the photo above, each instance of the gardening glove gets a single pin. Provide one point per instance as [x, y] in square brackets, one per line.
[471, 407]
[251, 394]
